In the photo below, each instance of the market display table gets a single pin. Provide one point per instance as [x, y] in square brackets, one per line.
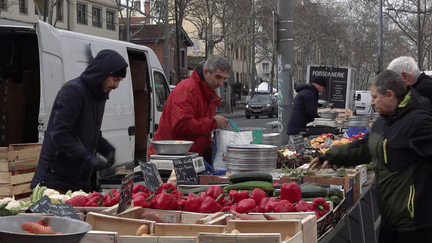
[362, 220]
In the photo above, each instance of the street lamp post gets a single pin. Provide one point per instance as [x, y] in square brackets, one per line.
[380, 37]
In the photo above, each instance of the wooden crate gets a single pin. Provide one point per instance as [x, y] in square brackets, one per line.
[185, 229]
[123, 226]
[18, 163]
[290, 230]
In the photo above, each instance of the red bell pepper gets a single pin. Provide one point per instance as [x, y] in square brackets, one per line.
[275, 206]
[78, 201]
[215, 192]
[303, 206]
[190, 194]
[320, 207]
[111, 198]
[225, 209]
[94, 202]
[291, 192]
[181, 204]
[143, 201]
[141, 194]
[140, 188]
[209, 205]
[226, 202]
[288, 205]
[237, 196]
[168, 187]
[246, 206]
[165, 201]
[257, 195]
[193, 204]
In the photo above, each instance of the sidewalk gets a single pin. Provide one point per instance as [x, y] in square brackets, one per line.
[239, 113]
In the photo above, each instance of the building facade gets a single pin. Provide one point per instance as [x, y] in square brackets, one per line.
[98, 17]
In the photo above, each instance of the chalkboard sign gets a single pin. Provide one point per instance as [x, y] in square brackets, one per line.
[185, 171]
[299, 143]
[126, 193]
[45, 206]
[152, 179]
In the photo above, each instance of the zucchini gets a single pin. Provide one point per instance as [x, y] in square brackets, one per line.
[250, 176]
[334, 192]
[193, 190]
[250, 185]
[308, 192]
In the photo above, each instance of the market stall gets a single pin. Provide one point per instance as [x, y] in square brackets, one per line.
[267, 195]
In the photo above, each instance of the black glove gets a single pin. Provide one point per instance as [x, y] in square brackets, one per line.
[110, 158]
[99, 163]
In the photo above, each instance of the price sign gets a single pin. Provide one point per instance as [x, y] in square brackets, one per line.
[299, 143]
[45, 206]
[126, 193]
[185, 171]
[152, 179]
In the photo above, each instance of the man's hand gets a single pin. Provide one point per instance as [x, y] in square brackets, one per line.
[221, 121]
[318, 163]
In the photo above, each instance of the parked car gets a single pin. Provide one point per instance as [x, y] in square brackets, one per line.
[262, 105]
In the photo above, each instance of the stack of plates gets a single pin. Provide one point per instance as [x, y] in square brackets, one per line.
[251, 157]
[271, 139]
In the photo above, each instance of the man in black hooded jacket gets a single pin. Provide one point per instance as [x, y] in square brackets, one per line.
[73, 142]
[305, 105]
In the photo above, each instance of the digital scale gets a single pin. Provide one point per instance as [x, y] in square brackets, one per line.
[165, 162]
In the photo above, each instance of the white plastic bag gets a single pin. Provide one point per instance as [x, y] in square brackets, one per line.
[222, 139]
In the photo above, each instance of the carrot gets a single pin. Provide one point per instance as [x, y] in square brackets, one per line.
[36, 228]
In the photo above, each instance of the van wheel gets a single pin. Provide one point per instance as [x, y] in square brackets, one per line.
[248, 116]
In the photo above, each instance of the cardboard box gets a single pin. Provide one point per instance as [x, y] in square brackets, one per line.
[350, 181]
[123, 226]
[362, 169]
[339, 212]
[185, 229]
[18, 163]
[324, 224]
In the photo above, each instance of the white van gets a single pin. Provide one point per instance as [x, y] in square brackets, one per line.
[363, 103]
[36, 61]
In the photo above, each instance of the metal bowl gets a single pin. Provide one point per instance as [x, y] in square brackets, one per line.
[328, 115]
[251, 157]
[72, 230]
[172, 146]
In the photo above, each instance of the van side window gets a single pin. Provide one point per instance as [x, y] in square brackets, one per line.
[162, 90]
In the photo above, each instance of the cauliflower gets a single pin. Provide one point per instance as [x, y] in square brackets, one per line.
[80, 192]
[50, 192]
[60, 197]
[14, 205]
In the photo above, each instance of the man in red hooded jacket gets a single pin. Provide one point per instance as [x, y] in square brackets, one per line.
[190, 111]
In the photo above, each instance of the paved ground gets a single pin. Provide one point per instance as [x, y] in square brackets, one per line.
[236, 114]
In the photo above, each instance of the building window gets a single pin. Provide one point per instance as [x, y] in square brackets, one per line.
[183, 59]
[23, 6]
[59, 9]
[266, 68]
[110, 24]
[81, 13]
[3, 4]
[40, 7]
[97, 17]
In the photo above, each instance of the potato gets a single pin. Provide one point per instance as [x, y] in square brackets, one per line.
[143, 229]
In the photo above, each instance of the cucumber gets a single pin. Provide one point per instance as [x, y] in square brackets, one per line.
[250, 185]
[250, 176]
[308, 192]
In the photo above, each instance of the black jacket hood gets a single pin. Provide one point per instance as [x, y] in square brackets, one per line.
[103, 65]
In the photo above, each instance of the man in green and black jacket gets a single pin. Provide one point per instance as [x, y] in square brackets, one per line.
[400, 148]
